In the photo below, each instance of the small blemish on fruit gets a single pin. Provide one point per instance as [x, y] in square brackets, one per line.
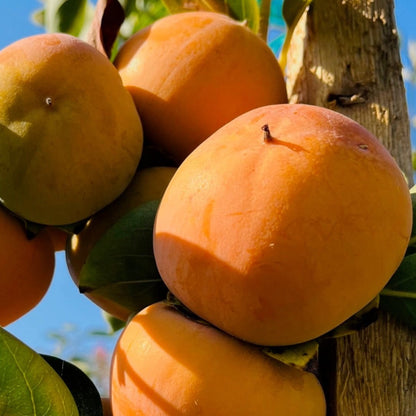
[267, 137]
[363, 146]
[48, 101]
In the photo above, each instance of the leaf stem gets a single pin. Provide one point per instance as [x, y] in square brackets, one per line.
[264, 19]
[398, 293]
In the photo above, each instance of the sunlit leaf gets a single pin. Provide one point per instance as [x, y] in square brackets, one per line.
[180, 6]
[292, 12]
[140, 15]
[242, 10]
[293, 9]
[298, 356]
[28, 384]
[65, 16]
[38, 17]
[245, 10]
[121, 266]
[83, 390]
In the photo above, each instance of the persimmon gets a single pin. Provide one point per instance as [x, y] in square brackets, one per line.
[190, 73]
[147, 185]
[296, 218]
[58, 237]
[27, 267]
[167, 364]
[71, 137]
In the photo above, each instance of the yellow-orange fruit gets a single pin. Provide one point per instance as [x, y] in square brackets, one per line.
[283, 224]
[27, 268]
[71, 138]
[166, 364]
[190, 73]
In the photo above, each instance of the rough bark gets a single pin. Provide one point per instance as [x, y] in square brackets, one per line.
[345, 56]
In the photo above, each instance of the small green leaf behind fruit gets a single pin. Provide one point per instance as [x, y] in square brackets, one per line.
[398, 298]
[121, 266]
[292, 11]
[241, 10]
[83, 390]
[28, 384]
[412, 242]
[67, 16]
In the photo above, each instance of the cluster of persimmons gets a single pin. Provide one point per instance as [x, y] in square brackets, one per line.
[276, 222]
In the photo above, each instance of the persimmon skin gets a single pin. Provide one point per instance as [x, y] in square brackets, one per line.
[168, 365]
[27, 267]
[69, 145]
[188, 77]
[284, 237]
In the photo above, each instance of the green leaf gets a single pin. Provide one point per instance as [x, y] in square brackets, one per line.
[140, 14]
[38, 17]
[28, 385]
[121, 266]
[67, 16]
[241, 10]
[412, 241]
[292, 11]
[399, 296]
[114, 323]
[84, 392]
[180, 6]
[245, 11]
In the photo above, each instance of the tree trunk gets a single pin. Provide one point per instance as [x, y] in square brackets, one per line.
[344, 55]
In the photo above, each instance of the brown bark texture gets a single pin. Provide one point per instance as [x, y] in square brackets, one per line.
[344, 55]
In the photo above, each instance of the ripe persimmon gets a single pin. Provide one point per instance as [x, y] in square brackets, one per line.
[190, 73]
[27, 267]
[296, 218]
[167, 364]
[71, 137]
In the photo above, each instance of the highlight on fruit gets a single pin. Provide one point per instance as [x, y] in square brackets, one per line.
[223, 231]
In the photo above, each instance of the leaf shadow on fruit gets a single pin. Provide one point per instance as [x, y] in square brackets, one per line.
[141, 384]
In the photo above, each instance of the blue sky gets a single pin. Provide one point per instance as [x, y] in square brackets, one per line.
[63, 306]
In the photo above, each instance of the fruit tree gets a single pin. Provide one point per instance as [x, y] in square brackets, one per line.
[242, 211]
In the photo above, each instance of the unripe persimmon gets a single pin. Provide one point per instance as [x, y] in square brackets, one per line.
[283, 224]
[166, 364]
[190, 73]
[71, 137]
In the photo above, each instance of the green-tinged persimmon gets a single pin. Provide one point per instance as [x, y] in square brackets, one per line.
[70, 135]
